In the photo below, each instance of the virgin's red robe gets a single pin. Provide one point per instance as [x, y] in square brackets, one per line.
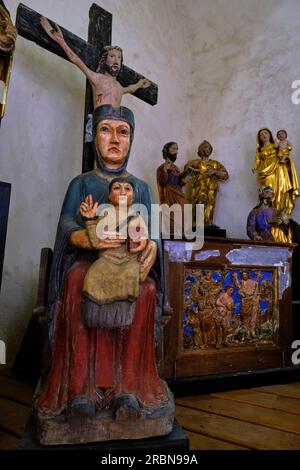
[86, 359]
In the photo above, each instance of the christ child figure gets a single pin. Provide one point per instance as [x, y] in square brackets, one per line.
[283, 145]
[112, 283]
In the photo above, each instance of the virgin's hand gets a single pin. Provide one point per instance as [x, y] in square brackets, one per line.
[109, 239]
[141, 247]
[104, 244]
[147, 259]
[80, 239]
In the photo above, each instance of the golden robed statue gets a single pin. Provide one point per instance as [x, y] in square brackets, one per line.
[275, 167]
[206, 175]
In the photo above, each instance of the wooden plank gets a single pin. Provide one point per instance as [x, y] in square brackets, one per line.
[229, 360]
[8, 442]
[253, 414]
[202, 442]
[296, 385]
[17, 391]
[13, 416]
[258, 398]
[285, 390]
[237, 432]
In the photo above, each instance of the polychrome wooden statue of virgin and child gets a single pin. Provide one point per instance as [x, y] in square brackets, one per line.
[102, 383]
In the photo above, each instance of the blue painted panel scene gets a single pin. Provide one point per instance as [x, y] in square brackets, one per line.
[231, 307]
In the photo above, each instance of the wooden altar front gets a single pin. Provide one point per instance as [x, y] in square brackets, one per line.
[231, 307]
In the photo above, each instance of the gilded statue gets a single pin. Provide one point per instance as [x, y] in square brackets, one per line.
[8, 32]
[206, 175]
[8, 35]
[275, 167]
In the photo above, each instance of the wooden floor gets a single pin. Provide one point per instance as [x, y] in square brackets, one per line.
[257, 418]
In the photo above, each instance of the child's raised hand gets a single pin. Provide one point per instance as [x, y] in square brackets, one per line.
[87, 208]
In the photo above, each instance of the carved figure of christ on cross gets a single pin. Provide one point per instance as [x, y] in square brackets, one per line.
[106, 88]
[101, 63]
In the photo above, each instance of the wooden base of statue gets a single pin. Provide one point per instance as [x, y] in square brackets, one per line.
[175, 441]
[107, 425]
[232, 307]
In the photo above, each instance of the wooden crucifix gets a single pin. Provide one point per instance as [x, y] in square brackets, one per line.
[99, 35]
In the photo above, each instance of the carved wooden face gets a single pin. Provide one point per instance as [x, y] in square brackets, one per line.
[121, 191]
[112, 142]
[264, 136]
[204, 150]
[173, 149]
[282, 135]
[114, 61]
[268, 193]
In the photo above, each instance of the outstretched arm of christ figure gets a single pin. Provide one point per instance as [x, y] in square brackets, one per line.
[142, 83]
[56, 34]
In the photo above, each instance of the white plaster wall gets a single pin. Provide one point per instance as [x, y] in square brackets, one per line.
[245, 56]
[41, 134]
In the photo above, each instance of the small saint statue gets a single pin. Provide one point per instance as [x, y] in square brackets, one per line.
[170, 180]
[265, 222]
[206, 176]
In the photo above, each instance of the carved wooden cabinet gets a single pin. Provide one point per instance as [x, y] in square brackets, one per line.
[232, 307]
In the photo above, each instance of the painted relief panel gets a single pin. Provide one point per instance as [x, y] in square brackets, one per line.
[229, 307]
